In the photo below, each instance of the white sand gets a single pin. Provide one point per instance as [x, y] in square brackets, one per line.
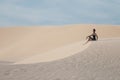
[56, 54]
[100, 61]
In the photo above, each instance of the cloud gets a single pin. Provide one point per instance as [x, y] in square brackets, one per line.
[58, 12]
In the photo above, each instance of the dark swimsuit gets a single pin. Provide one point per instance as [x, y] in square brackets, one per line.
[93, 37]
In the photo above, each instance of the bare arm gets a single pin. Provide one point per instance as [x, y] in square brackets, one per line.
[89, 36]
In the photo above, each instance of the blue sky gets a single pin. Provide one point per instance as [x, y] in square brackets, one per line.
[59, 12]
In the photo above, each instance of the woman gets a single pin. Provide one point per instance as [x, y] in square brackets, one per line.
[93, 36]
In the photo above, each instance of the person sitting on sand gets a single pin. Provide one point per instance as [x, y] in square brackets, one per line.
[93, 36]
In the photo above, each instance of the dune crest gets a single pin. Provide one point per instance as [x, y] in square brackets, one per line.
[56, 54]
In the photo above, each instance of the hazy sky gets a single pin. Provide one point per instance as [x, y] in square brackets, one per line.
[59, 12]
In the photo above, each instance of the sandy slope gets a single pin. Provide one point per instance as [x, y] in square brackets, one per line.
[100, 61]
[19, 43]
[56, 54]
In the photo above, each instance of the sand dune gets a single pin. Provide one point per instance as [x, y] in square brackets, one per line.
[19, 43]
[58, 53]
[100, 61]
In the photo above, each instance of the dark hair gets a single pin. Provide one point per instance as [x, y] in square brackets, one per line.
[94, 30]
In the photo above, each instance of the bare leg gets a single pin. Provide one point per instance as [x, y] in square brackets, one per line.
[88, 39]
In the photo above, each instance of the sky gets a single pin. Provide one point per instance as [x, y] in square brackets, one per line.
[59, 12]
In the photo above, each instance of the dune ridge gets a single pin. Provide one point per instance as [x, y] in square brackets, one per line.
[56, 54]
